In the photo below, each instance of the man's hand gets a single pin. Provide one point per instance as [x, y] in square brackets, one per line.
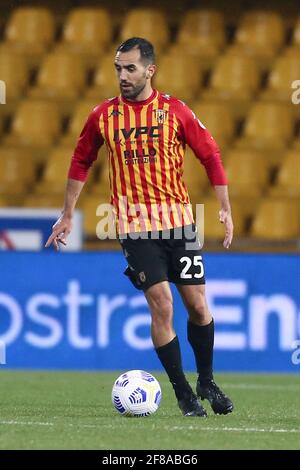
[226, 219]
[60, 232]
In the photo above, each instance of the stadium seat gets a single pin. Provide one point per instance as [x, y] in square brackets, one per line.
[44, 201]
[91, 219]
[217, 118]
[269, 127]
[276, 219]
[78, 119]
[288, 177]
[234, 81]
[194, 176]
[248, 175]
[149, 23]
[247, 172]
[178, 76]
[30, 31]
[105, 84]
[36, 126]
[260, 34]
[296, 33]
[55, 172]
[202, 31]
[60, 79]
[285, 70]
[12, 84]
[17, 173]
[87, 32]
[14, 72]
[213, 228]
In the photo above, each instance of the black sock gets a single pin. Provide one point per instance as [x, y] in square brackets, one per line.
[201, 339]
[170, 357]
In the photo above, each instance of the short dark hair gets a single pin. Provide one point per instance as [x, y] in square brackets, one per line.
[145, 47]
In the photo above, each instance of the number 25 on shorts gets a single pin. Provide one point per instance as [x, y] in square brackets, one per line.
[197, 261]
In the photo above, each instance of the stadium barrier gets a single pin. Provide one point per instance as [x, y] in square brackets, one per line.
[78, 311]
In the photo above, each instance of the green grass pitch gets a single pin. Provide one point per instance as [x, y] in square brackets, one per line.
[64, 410]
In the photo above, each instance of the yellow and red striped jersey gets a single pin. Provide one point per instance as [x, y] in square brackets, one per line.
[146, 143]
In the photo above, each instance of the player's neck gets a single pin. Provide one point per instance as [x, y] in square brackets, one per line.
[144, 95]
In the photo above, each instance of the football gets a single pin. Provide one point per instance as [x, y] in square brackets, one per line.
[136, 393]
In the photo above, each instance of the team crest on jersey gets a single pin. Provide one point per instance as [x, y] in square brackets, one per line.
[160, 115]
[142, 276]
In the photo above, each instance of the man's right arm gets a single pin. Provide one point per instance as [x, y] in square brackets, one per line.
[63, 226]
[85, 154]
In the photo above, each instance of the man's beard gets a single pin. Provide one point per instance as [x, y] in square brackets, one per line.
[133, 92]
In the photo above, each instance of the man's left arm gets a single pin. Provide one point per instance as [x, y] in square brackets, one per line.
[225, 216]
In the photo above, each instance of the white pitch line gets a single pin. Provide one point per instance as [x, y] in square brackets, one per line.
[275, 387]
[167, 428]
[229, 429]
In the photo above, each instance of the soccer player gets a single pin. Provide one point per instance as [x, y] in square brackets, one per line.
[146, 132]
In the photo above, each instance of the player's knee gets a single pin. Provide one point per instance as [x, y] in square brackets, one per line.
[198, 308]
[162, 310]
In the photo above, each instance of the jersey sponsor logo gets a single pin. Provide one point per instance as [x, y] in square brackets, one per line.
[136, 132]
[133, 157]
[160, 115]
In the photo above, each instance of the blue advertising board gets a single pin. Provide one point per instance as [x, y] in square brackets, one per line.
[78, 311]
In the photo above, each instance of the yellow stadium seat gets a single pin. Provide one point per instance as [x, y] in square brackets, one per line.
[91, 219]
[87, 32]
[44, 201]
[285, 70]
[213, 228]
[194, 176]
[105, 83]
[203, 31]
[3, 202]
[247, 173]
[288, 178]
[276, 219]
[148, 23]
[78, 119]
[56, 170]
[60, 79]
[234, 81]
[269, 127]
[260, 34]
[248, 176]
[296, 33]
[17, 171]
[36, 126]
[12, 85]
[30, 31]
[14, 72]
[218, 120]
[178, 76]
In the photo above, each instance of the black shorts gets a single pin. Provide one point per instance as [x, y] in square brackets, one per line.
[177, 259]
